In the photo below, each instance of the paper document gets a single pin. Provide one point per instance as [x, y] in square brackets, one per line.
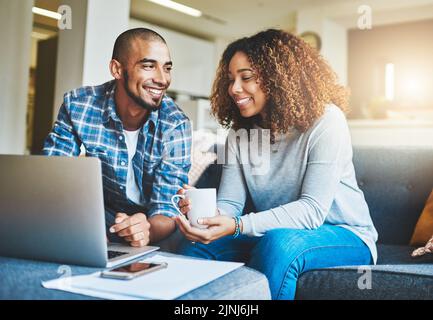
[181, 276]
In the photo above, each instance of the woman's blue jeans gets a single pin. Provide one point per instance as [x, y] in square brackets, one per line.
[284, 254]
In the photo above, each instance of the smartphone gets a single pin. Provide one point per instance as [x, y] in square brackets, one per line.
[133, 270]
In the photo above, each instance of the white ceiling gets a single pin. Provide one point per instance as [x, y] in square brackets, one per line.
[229, 19]
[221, 18]
[234, 18]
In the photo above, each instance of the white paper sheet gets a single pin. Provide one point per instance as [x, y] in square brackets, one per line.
[181, 276]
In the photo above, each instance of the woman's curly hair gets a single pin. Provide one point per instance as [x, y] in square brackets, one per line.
[296, 80]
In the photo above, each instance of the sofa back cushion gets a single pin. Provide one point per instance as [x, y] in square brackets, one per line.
[396, 182]
[424, 227]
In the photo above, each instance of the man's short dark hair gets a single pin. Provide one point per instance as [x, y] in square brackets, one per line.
[124, 40]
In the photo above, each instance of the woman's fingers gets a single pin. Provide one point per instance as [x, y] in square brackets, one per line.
[184, 202]
[184, 231]
[190, 232]
[185, 210]
[185, 206]
[184, 223]
[183, 188]
[212, 221]
[201, 234]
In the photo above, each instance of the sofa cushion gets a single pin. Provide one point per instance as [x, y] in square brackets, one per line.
[397, 276]
[396, 182]
[210, 177]
[424, 227]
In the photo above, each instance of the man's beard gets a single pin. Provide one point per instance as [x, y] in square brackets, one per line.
[137, 99]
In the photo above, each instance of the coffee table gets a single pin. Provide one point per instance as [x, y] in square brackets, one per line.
[21, 280]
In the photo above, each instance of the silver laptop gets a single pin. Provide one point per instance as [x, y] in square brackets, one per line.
[52, 209]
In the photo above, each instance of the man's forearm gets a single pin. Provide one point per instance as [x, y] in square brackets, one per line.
[160, 227]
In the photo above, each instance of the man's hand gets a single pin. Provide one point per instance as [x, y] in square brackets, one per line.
[135, 229]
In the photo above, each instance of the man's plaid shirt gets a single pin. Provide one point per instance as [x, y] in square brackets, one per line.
[162, 160]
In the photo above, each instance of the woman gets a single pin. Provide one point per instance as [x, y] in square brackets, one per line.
[309, 212]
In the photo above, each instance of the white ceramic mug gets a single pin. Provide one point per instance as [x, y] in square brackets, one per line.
[203, 204]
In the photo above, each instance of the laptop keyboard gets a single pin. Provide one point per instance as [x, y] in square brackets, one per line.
[114, 254]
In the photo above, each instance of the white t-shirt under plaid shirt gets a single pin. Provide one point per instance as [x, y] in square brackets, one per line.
[132, 190]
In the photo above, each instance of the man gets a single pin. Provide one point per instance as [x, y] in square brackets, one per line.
[141, 137]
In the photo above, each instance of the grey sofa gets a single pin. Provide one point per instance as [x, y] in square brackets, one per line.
[396, 183]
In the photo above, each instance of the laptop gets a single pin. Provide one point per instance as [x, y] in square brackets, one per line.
[52, 209]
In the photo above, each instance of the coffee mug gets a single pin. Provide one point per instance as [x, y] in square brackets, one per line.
[203, 204]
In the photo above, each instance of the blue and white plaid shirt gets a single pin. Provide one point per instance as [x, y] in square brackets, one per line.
[162, 160]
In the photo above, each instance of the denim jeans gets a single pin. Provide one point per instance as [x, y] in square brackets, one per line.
[284, 254]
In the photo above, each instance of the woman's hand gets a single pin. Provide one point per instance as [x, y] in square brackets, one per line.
[218, 227]
[184, 204]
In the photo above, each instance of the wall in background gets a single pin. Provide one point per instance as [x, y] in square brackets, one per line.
[15, 34]
[381, 133]
[84, 52]
[333, 37]
[409, 46]
[193, 60]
